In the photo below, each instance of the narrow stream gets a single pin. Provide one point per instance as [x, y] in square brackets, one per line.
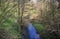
[32, 32]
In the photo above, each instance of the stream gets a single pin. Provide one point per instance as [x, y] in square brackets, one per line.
[32, 32]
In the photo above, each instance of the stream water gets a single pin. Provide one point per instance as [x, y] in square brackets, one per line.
[32, 32]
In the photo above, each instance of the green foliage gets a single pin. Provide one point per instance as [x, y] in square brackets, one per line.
[9, 11]
[8, 18]
[39, 27]
[42, 31]
[6, 9]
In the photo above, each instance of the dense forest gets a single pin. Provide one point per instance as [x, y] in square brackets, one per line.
[43, 14]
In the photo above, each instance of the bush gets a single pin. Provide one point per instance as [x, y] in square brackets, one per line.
[44, 33]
